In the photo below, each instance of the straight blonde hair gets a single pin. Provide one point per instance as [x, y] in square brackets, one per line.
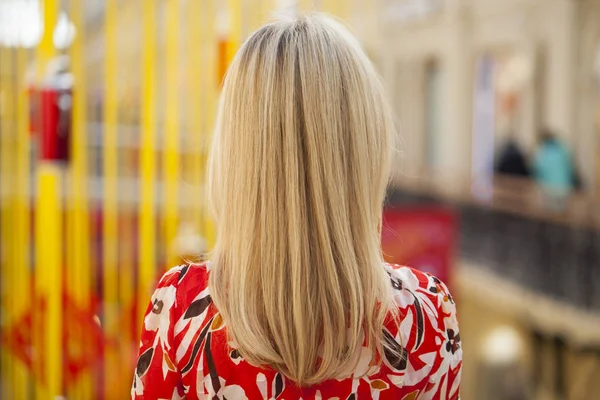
[298, 170]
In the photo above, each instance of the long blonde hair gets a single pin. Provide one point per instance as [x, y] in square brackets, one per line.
[297, 176]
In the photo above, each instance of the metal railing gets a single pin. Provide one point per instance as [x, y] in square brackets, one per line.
[514, 236]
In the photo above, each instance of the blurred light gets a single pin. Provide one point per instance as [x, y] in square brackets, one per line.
[514, 74]
[286, 5]
[188, 241]
[222, 22]
[409, 10]
[502, 346]
[64, 33]
[21, 25]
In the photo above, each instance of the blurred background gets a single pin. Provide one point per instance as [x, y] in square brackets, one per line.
[106, 111]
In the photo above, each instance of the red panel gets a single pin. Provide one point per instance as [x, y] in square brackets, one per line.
[421, 238]
[54, 125]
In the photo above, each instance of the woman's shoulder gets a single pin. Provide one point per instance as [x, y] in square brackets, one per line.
[187, 282]
[422, 297]
[429, 328]
[410, 284]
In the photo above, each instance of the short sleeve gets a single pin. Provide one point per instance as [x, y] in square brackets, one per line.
[156, 374]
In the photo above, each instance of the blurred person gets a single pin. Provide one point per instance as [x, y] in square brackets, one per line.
[553, 170]
[296, 300]
[578, 184]
[511, 160]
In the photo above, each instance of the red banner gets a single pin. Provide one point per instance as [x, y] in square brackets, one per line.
[422, 238]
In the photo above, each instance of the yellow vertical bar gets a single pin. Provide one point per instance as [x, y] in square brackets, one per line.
[21, 275]
[170, 151]
[48, 239]
[48, 246]
[234, 9]
[255, 12]
[263, 9]
[75, 332]
[252, 10]
[147, 212]
[197, 77]
[110, 201]
[339, 8]
[78, 275]
[6, 209]
[128, 343]
[210, 103]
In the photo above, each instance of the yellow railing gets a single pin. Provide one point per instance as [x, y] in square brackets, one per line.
[110, 210]
[171, 140]
[78, 237]
[7, 168]
[20, 283]
[48, 243]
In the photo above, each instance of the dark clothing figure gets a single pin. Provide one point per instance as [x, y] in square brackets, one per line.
[511, 161]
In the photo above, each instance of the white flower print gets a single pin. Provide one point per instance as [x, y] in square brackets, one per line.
[138, 386]
[233, 392]
[412, 376]
[261, 382]
[158, 319]
[405, 283]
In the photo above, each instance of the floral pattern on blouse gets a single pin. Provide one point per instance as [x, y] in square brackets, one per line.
[184, 353]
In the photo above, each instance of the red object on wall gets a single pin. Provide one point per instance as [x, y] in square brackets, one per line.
[422, 238]
[55, 123]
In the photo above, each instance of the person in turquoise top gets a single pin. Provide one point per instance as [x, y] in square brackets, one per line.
[553, 169]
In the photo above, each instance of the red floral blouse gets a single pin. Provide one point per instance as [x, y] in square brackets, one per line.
[184, 352]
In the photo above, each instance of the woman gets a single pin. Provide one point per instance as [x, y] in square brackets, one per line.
[296, 301]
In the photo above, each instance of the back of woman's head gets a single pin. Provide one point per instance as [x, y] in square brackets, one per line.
[297, 177]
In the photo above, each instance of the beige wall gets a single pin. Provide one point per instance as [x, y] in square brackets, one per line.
[587, 90]
[558, 36]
